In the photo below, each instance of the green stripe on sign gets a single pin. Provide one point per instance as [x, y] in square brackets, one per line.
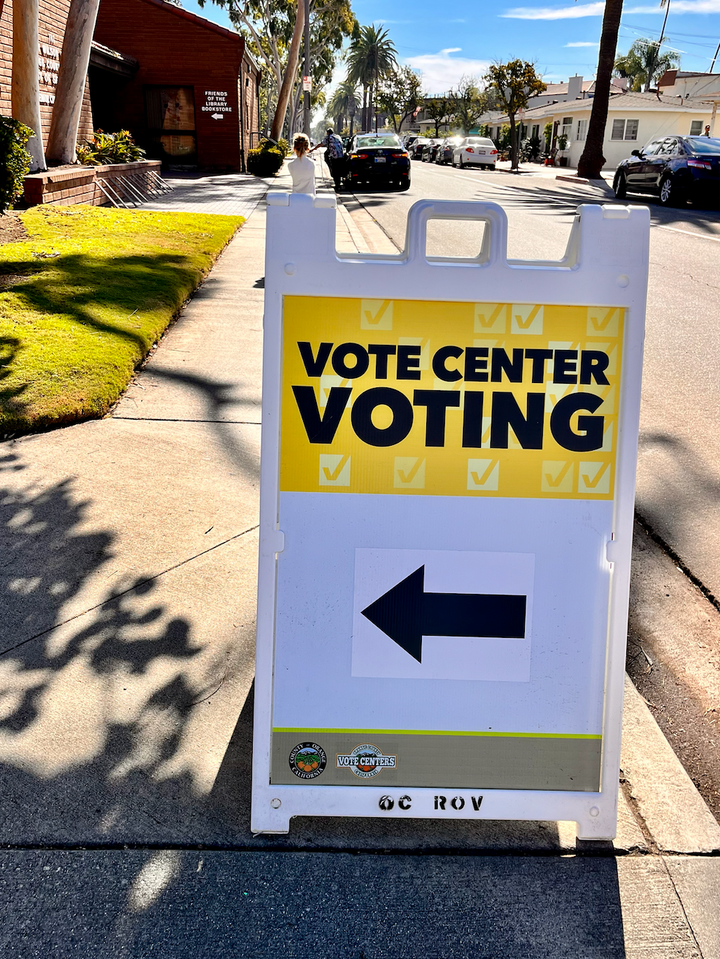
[430, 732]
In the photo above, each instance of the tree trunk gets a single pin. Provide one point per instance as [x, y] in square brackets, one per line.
[62, 142]
[26, 77]
[592, 159]
[295, 111]
[290, 73]
[513, 143]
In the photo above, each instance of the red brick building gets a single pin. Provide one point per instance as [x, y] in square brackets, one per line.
[53, 17]
[187, 89]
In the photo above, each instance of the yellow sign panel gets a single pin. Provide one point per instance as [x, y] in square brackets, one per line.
[450, 399]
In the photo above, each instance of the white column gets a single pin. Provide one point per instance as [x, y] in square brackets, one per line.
[74, 61]
[25, 76]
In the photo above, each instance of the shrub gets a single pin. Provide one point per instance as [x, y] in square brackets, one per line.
[504, 138]
[267, 159]
[530, 148]
[109, 148]
[14, 160]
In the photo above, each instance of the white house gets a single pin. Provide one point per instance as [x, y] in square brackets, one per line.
[633, 120]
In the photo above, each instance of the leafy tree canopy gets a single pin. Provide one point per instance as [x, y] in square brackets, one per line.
[399, 95]
[644, 64]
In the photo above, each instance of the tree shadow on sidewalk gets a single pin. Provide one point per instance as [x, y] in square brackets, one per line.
[96, 704]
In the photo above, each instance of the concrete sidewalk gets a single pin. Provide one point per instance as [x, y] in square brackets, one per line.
[129, 565]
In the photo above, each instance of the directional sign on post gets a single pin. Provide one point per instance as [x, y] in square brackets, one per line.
[447, 487]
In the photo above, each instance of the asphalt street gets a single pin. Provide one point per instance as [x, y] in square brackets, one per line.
[679, 461]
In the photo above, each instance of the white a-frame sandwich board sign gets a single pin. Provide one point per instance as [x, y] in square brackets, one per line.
[448, 470]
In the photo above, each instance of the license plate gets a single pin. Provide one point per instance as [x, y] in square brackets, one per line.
[482, 151]
[380, 160]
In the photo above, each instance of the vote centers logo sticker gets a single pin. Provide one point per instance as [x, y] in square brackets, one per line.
[365, 761]
[308, 760]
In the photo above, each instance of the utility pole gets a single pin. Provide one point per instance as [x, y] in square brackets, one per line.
[712, 65]
[306, 73]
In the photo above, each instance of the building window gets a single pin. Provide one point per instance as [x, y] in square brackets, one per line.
[566, 127]
[624, 130]
[581, 130]
[536, 131]
[695, 128]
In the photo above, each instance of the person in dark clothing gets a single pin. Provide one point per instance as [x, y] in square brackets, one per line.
[334, 156]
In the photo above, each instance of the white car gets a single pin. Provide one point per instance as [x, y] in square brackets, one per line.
[475, 151]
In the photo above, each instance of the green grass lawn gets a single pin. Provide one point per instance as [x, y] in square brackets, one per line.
[84, 299]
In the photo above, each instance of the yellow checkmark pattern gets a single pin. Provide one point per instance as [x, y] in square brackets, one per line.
[603, 321]
[594, 478]
[376, 315]
[491, 317]
[334, 469]
[527, 318]
[419, 349]
[409, 472]
[557, 476]
[483, 475]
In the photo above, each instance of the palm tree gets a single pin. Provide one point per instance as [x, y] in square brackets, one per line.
[643, 64]
[343, 103]
[372, 56]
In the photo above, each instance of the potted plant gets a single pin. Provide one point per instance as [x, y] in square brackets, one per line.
[562, 142]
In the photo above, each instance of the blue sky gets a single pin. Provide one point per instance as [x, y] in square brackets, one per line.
[446, 40]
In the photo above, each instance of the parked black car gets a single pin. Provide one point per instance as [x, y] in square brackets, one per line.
[445, 151]
[430, 151]
[378, 158]
[675, 168]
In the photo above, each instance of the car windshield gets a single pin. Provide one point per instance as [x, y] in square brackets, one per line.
[709, 145]
[378, 141]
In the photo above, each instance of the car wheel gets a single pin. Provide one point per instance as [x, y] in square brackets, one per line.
[620, 186]
[462, 165]
[668, 192]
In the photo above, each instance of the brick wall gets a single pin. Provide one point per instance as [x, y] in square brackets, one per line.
[53, 16]
[174, 47]
[70, 186]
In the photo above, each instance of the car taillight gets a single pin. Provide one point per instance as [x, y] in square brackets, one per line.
[493, 151]
[701, 164]
[469, 150]
[398, 154]
[359, 156]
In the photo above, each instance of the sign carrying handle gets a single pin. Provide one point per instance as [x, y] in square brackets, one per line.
[494, 244]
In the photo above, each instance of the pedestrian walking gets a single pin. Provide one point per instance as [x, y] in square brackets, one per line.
[302, 168]
[334, 155]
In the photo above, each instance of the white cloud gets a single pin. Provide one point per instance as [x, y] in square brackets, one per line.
[683, 6]
[583, 43]
[441, 71]
[555, 13]
[597, 9]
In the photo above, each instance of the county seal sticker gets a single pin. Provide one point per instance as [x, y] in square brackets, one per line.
[308, 760]
[365, 761]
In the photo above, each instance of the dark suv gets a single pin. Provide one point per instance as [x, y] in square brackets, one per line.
[675, 168]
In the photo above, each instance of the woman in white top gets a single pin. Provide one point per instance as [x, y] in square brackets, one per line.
[302, 168]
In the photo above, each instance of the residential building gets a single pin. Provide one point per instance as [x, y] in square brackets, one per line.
[633, 120]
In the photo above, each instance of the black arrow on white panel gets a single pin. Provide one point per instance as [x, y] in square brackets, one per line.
[406, 613]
